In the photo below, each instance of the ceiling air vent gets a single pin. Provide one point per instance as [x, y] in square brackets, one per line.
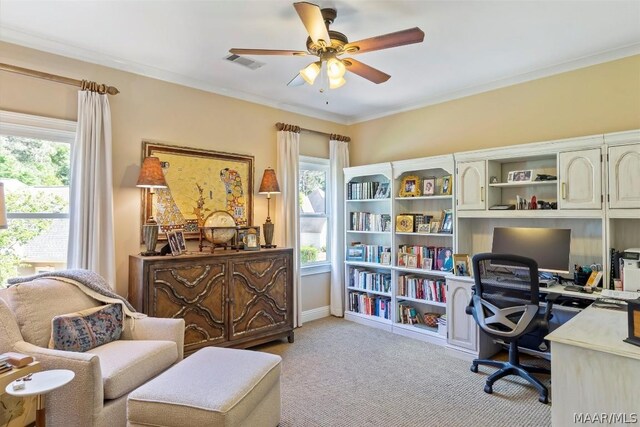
[245, 62]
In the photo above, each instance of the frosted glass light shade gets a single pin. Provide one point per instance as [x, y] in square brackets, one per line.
[310, 72]
[335, 68]
[336, 83]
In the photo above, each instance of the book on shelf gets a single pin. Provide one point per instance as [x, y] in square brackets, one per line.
[369, 280]
[367, 190]
[428, 257]
[367, 253]
[370, 305]
[417, 287]
[365, 221]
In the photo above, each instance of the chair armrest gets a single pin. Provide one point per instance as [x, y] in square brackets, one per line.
[551, 299]
[156, 328]
[83, 397]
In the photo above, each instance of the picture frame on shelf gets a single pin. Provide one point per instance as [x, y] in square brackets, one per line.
[444, 185]
[251, 240]
[461, 265]
[444, 259]
[412, 260]
[181, 241]
[174, 244]
[520, 176]
[410, 186]
[404, 223]
[402, 259]
[385, 258]
[355, 253]
[424, 228]
[447, 223]
[383, 191]
[434, 226]
[429, 186]
[427, 264]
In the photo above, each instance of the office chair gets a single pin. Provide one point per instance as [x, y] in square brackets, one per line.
[506, 306]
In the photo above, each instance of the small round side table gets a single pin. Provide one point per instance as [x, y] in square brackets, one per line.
[40, 384]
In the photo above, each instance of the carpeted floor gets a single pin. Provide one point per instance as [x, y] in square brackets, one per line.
[339, 373]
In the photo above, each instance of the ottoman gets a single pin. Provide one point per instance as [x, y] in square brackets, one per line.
[213, 387]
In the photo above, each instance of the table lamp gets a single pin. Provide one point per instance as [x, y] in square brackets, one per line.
[268, 186]
[151, 177]
[3, 209]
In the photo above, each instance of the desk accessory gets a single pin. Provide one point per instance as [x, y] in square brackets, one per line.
[502, 207]
[633, 310]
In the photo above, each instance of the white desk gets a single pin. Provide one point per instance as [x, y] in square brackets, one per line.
[592, 370]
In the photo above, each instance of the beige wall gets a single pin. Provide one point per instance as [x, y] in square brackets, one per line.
[153, 109]
[594, 100]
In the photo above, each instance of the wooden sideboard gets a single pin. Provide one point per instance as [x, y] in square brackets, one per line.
[228, 298]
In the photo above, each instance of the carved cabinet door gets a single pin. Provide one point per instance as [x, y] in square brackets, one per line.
[259, 299]
[195, 291]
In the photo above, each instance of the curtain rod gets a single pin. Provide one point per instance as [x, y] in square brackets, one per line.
[83, 84]
[298, 129]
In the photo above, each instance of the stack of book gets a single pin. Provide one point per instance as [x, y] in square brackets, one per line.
[369, 280]
[5, 366]
[365, 221]
[422, 288]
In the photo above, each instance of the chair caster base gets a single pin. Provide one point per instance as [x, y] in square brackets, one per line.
[488, 389]
[474, 368]
[543, 399]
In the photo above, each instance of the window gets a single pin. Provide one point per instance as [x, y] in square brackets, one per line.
[314, 186]
[35, 158]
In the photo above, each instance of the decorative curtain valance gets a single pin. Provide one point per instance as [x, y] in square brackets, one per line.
[288, 128]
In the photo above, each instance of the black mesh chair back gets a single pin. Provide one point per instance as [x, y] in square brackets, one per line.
[505, 306]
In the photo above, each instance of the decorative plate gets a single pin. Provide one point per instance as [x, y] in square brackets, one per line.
[219, 219]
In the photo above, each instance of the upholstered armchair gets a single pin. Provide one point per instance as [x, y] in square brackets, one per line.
[105, 375]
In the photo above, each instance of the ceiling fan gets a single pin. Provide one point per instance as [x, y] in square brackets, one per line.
[329, 46]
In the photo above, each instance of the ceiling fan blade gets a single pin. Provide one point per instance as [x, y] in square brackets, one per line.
[268, 52]
[313, 21]
[296, 81]
[399, 38]
[363, 70]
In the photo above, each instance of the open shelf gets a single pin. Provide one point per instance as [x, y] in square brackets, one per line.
[368, 200]
[439, 197]
[426, 272]
[368, 232]
[421, 301]
[384, 294]
[398, 233]
[368, 264]
[522, 184]
[368, 317]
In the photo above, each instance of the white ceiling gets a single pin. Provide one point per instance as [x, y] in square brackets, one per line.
[469, 47]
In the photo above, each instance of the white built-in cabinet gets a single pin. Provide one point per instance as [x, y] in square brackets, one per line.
[471, 185]
[624, 176]
[580, 175]
[589, 170]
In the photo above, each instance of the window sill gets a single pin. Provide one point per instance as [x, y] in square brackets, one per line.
[309, 270]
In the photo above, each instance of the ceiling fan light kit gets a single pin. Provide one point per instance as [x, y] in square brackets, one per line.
[328, 45]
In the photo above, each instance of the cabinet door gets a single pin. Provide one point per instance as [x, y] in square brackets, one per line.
[471, 185]
[580, 180]
[260, 296]
[624, 176]
[461, 327]
[195, 291]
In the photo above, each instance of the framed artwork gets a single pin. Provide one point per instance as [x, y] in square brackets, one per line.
[173, 243]
[424, 228]
[434, 226]
[429, 186]
[402, 259]
[520, 176]
[447, 222]
[444, 185]
[385, 258]
[180, 237]
[412, 260]
[427, 264]
[251, 240]
[461, 264]
[200, 182]
[404, 223]
[410, 186]
[383, 191]
[355, 253]
[444, 259]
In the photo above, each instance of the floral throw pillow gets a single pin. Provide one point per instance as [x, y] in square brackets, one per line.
[86, 329]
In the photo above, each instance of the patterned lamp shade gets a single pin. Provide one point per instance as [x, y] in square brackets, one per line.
[151, 175]
[269, 184]
[3, 209]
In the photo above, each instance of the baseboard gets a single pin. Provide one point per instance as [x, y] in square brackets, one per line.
[315, 314]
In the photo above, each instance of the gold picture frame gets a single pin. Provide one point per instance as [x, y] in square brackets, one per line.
[445, 185]
[461, 265]
[410, 186]
[199, 182]
[404, 224]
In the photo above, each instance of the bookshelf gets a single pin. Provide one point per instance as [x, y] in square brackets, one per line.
[368, 239]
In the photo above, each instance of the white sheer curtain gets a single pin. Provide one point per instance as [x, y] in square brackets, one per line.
[91, 236]
[338, 159]
[287, 230]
